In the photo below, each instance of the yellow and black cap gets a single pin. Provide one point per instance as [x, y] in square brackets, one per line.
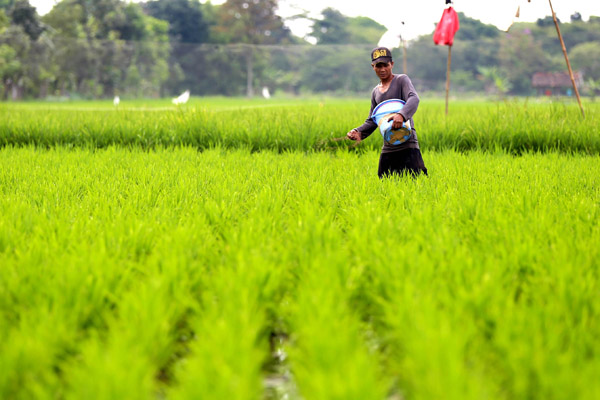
[381, 55]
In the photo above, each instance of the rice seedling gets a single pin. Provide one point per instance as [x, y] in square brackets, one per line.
[179, 273]
[514, 126]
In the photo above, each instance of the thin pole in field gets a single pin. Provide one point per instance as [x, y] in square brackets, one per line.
[564, 49]
[403, 44]
[404, 56]
[448, 76]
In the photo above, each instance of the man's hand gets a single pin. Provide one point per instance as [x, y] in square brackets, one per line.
[398, 121]
[354, 135]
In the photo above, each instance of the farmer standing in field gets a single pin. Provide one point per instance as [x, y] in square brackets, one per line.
[397, 156]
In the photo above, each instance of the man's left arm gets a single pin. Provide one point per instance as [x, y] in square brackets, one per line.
[406, 92]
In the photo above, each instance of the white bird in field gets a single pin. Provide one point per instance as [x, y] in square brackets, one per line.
[265, 92]
[182, 99]
[116, 101]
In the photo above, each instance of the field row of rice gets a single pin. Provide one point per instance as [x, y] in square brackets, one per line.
[226, 274]
[256, 125]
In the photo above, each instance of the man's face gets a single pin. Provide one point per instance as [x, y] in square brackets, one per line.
[383, 69]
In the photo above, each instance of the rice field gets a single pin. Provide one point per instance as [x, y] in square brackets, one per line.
[298, 125]
[230, 250]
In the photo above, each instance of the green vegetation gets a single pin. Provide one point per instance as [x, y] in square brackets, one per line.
[221, 274]
[238, 249]
[515, 126]
[102, 48]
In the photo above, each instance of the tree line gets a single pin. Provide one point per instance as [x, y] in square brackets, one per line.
[158, 48]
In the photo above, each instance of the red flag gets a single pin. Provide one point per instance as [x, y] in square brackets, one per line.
[446, 28]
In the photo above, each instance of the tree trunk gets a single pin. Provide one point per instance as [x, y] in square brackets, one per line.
[250, 72]
[16, 89]
[44, 89]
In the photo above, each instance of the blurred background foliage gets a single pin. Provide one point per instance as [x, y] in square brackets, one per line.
[158, 48]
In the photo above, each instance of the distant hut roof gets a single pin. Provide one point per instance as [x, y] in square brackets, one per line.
[555, 79]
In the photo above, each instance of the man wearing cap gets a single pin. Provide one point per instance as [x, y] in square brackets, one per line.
[396, 158]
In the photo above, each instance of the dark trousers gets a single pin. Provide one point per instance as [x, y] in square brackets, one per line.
[407, 161]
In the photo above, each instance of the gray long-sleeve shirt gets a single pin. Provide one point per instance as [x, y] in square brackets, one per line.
[400, 88]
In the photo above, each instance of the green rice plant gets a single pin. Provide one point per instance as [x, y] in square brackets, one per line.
[230, 345]
[44, 325]
[138, 345]
[329, 352]
[515, 126]
[181, 273]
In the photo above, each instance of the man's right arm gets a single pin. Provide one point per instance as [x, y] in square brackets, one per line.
[369, 125]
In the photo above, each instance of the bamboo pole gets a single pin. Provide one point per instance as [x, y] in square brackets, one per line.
[448, 76]
[564, 49]
[403, 44]
[404, 56]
